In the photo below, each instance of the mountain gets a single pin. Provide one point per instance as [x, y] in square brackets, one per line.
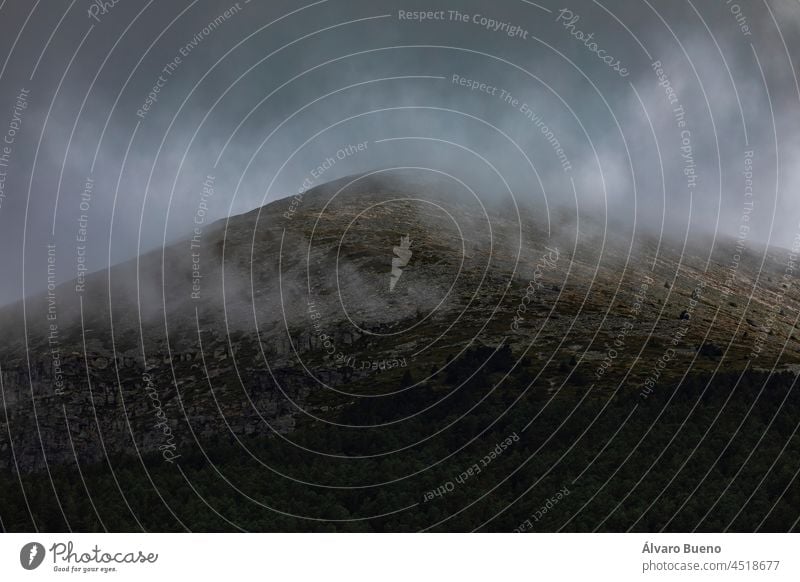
[286, 315]
[394, 352]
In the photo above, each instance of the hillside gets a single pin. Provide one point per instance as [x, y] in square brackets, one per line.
[381, 333]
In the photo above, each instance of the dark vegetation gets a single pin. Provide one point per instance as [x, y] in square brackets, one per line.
[708, 454]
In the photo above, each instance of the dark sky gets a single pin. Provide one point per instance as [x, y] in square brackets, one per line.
[262, 95]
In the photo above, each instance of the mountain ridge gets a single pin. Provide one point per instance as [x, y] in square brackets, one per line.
[307, 317]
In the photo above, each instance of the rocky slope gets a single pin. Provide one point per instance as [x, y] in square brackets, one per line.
[287, 314]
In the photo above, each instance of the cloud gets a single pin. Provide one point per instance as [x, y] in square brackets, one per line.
[288, 98]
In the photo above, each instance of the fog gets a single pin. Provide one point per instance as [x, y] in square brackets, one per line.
[690, 125]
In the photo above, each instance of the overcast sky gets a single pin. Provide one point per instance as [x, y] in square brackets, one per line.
[260, 94]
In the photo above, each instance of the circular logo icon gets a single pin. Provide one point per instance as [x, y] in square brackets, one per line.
[31, 555]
